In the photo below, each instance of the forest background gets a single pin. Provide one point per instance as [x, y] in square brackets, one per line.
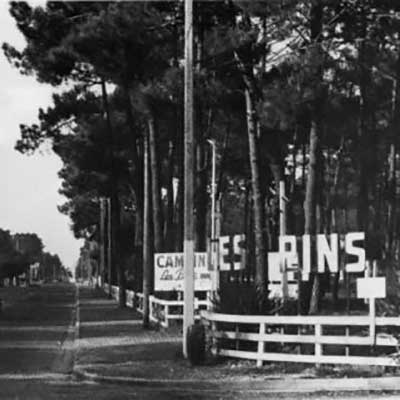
[304, 92]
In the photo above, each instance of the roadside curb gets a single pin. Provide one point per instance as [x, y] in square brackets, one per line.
[271, 385]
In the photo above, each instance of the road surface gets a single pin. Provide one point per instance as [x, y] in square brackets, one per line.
[37, 332]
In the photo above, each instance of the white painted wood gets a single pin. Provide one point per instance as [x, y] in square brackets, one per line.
[368, 288]
[347, 350]
[318, 346]
[334, 340]
[341, 320]
[166, 316]
[318, 339]
[260, 345]
[289, 320]
[372, 325]
[306, 358]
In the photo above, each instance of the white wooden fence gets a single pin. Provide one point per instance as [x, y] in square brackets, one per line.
[252, 337]
[161, 311]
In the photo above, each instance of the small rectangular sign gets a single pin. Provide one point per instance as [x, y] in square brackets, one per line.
[168, 272]
[371, 288]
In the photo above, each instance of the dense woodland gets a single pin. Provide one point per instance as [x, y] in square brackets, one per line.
[300, 91]
[21, 250]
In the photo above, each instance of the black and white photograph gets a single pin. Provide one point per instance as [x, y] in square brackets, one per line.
[200, 199]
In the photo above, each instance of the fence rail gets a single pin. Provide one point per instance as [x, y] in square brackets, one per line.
[278, 338]
[161, 311]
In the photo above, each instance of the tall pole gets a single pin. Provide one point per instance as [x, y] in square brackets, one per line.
[109, 244]
[146, 234]
[213, 188]
[214, 262]
[188, 234]
[392, 174]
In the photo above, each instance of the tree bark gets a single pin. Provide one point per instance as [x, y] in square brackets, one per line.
[169, 236]
[136, 187]
[310, 203]
[147, 265]
[261, 274]
[363, 134]
[201, 197]
[393, 208]
[310, 211]
[178, 215]
[155, 188]
[261, 266]
[115, 204]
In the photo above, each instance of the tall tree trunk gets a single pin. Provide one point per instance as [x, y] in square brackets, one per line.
[178, 157]
[136, 187]
[201, 197]
[169, 235]
[115, 204]
[261, 266]
[310, 203]
[393, 221]
[147, 264]
[310, 206]
[363, 134]
[303, 166]
[261, 272]
[181, 185]
[138, 239]
[155, 188]
[331, 212]
[276, 165]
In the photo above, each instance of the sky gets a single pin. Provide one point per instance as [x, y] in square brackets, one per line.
[29, 184]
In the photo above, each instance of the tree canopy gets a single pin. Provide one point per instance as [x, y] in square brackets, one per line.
[293, 91]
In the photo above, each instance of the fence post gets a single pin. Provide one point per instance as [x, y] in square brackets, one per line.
[166, 315]
[261, 345]
[214, 340]
[318, 345]
[150, 308]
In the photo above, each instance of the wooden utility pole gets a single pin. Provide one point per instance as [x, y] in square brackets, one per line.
[146, 234]
[188, 234]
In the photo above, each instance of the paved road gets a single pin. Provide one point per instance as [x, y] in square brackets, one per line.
[37, 356]
[58, 390]
[37, 329]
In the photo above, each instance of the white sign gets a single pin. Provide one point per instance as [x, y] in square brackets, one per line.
[327, 256]
[277, 261]
[231, 253]
[168, 272]
[371, 288]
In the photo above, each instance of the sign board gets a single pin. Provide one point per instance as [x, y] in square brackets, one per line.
[231, 253]
[168, 272]
[327, 252]
[277, 261]
[369, 288]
